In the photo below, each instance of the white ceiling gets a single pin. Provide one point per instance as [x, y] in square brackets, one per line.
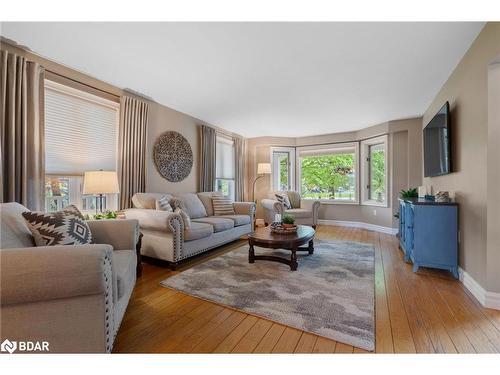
[257, 79]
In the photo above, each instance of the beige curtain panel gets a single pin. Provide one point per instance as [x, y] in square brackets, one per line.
[22, 169]
[239, 155]
[132, 148]
[207, 165]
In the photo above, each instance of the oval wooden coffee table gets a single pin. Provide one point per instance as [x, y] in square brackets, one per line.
[262, 237]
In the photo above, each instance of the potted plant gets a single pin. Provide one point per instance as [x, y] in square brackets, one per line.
[410, 193]
[288, 221]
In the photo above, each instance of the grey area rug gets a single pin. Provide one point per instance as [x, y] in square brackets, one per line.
[331, 294]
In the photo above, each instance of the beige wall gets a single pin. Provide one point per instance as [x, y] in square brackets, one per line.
[467, 91]
[405, 168]
[493, 178]
[161, 118]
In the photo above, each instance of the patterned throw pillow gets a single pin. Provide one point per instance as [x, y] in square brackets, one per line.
[222, 205]
[163, 204]
[283, 198]
[66, 227]
[185, 217]
[176, 203]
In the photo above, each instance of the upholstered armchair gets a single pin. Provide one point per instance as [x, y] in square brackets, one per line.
[73, 296]
[304, 216]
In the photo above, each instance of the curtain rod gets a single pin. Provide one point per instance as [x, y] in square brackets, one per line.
[332, 143]
[82, 83]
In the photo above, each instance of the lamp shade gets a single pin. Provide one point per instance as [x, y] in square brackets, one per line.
[100, 182]
[264, 168]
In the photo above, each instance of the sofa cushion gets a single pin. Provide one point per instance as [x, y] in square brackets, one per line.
[65, 227]
[206, 199]
[124, 266]
[194, 207]
[197, 231]
[146, 200]
[15, 232]
[237, 219]
[294, 198]
[222, 206]
[163, 204]
[219, 224]
[299, 212]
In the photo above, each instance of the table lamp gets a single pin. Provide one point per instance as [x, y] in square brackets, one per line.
[99, 183]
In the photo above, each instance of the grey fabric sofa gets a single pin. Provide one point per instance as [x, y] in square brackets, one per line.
[165, 237]
[304, 216]
[74, 297]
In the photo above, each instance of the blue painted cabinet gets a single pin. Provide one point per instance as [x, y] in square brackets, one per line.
[428, 233]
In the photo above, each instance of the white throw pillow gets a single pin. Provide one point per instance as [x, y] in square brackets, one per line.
[185, 218]
[283, 198]
[163, 204]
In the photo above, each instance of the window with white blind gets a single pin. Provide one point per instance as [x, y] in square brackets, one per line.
[225, 166]
[81, 134]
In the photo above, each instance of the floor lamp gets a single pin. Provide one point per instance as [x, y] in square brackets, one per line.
[262, 170]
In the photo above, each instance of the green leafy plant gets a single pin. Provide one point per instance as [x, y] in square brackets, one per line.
[328, 176]
[410, 193]
[108, 214]
[288, 219]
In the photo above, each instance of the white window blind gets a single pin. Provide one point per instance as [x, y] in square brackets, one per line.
[81, 131]
[224, 156]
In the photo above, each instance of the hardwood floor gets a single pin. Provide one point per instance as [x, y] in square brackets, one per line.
[426, 312]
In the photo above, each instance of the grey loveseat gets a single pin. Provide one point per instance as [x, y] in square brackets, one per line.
[165, 236]
[73, 297]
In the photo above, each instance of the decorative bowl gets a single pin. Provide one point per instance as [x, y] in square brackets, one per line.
[281, 229]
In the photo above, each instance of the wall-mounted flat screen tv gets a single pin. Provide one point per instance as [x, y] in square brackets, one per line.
[437, 158]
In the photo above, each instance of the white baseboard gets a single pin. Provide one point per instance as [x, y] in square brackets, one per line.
[359, 224]
[485, 298]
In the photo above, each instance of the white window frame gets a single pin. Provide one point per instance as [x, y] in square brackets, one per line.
[232, 191]
[365, 175]
[328, 147]
[76, 196]
[291, 167]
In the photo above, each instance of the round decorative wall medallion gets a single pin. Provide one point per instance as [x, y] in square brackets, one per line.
[173, 156]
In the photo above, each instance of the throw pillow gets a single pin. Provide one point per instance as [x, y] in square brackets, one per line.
[176, 203]
[283, 198]
[163, 205]
[66, 227]
[222, 205]
[185, 217]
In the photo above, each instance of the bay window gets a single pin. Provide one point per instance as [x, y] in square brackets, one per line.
[329, 172]
[81, 134]
[225, 166]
